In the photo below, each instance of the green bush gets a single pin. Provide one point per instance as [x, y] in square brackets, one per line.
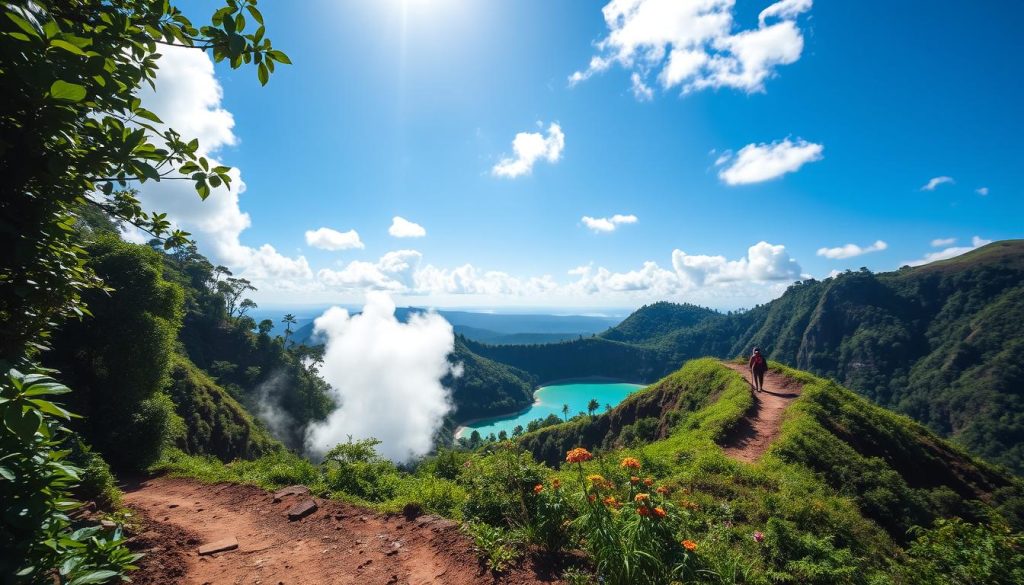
[954, 552]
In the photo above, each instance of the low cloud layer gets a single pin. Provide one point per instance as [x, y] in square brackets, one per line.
[386, 377]
[692, 44]
[528, 148]
[851, 250]
[755, 163]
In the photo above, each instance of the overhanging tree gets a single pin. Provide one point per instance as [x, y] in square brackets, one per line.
[74, 134]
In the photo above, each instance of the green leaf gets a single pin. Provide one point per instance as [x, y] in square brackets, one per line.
[51, 408]
[22, 24]
[255, 14]
[22, 423]
[61, 44]
[70, 92]
[146, 114]
[95, 577]
[7, 474]
[279, 57]
[263, 74]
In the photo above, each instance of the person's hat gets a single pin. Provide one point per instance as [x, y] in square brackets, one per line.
[757, 349]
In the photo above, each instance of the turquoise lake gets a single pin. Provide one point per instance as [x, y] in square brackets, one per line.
[549, 400]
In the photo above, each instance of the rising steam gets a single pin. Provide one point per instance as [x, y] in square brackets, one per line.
[386, 377]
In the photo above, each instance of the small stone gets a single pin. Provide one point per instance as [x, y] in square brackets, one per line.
[224, 545]
[292, 490]
[172, 505]
[301, 510]
[108, 524]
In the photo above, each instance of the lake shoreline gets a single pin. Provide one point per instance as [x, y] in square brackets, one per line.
[536, 401]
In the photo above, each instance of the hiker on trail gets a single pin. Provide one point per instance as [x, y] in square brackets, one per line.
[758, 366]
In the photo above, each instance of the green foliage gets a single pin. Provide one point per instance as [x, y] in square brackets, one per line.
[35, 490]
[498, 549]
[119, 360]
[486, 388]
[499, 483]
[955, 552]
[216, 424]
[73, 126]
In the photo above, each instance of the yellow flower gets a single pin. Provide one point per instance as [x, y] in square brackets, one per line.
[595, 479]
[556, 483]
[642, 497]
[631, 463]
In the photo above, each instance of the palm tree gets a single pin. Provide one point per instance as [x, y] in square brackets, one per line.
[517, 431]
[565, 411]
[288, 321]
[592, 406]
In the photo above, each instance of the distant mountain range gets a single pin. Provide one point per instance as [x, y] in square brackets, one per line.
[496, 328]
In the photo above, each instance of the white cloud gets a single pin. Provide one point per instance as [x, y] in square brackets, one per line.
[529, 147]
[951, 252]
[785, 9]
[691, 43]
[940, 242]
[851, 250]
[641, 91]
[981, 191]
[393, 272]
[328, 239]
[386, 377]
[403, 228]
[764, 262]
[607, 224]
[755, 163]
[762, 274]
[935, 182]
[188, 99]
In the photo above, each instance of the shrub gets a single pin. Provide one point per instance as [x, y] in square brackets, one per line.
[497, 549]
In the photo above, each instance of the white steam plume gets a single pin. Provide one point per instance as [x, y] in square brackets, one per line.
[386, 377]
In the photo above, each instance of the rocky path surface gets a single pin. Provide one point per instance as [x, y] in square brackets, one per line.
[200, 534]
[762, 424]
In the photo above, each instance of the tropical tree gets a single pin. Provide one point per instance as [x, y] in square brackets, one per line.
[75, 135]
[288, 321]
[517, 431]
[565, 411]
[592, 406]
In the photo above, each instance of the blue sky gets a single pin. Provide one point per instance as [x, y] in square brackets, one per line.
[403, 109]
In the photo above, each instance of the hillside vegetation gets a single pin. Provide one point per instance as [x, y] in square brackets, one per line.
[939, 343]
[849, 493]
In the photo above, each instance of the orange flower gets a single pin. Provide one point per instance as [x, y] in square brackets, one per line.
[642, 497]
[611, 502]
[631, 463]
[595, 479]
[634, 480]
[662, 490]
[648, 482]
[592, 498]
[556, 483]
[538, 488]
[578, 455]
[690, 505]
[643, 511]
[660, 512]
[689, 545]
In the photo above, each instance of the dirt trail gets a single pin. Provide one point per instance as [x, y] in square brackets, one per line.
[337, 544]
[762, 424]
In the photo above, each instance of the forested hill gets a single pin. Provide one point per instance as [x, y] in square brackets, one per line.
[941, 343]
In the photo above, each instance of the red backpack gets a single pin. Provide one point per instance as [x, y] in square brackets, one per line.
[759, 361]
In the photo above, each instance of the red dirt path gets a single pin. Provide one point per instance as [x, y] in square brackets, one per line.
[762, 424]
[337, 544]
